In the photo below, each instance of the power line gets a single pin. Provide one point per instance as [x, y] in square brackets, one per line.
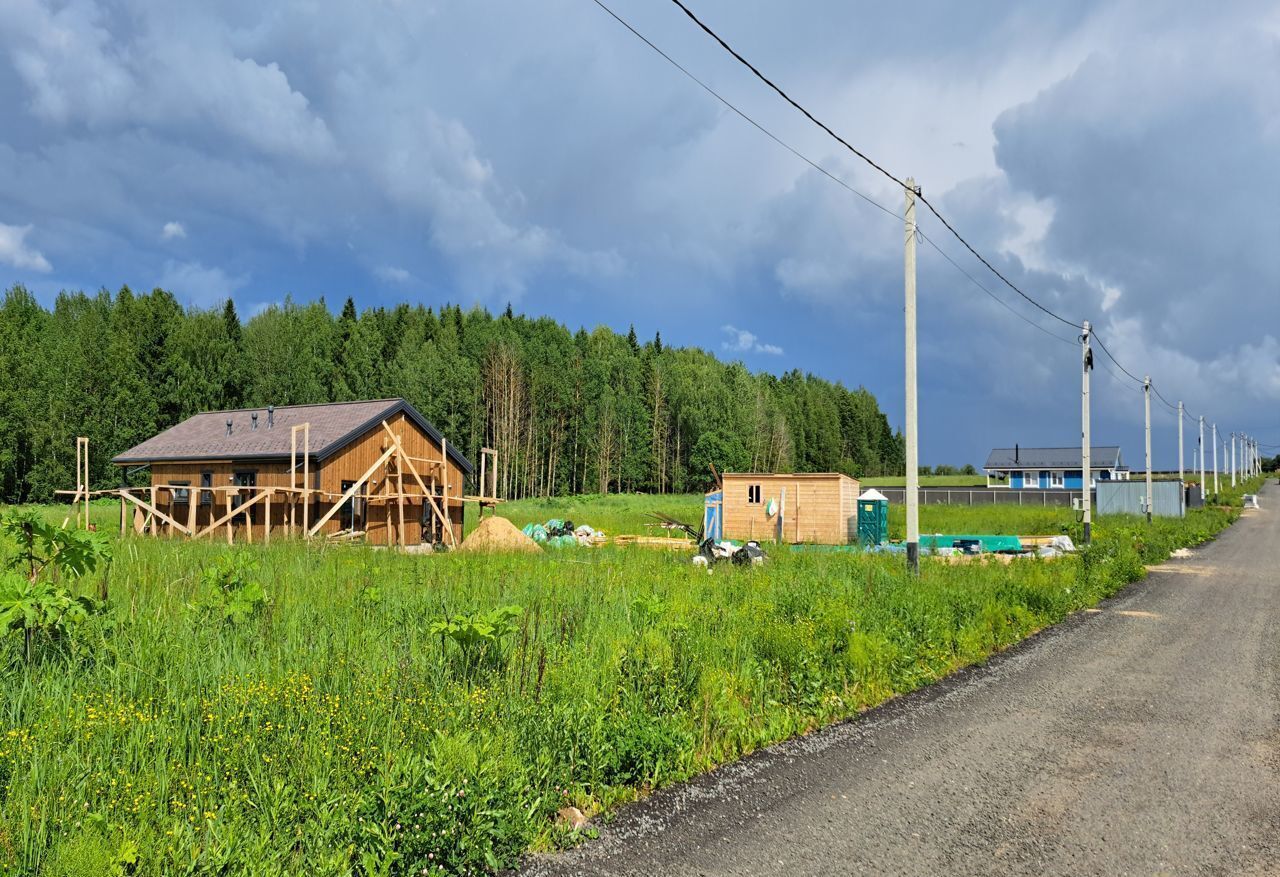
[839, 181]
[864, 157]
[763, 130]
[849, 146]
[996, 298]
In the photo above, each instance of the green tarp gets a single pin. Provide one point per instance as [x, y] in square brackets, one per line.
[988, 543]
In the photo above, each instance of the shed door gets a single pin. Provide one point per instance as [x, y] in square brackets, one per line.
[713, 517]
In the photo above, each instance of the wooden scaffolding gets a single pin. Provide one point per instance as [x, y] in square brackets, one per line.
[402, 480]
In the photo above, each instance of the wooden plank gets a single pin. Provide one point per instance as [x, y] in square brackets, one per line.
[155, 516]
[350, 492]
[428, 494]
[231, 513]
[266, 528]
[153, 511]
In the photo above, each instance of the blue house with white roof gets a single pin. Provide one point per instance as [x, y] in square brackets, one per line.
[1020, 468]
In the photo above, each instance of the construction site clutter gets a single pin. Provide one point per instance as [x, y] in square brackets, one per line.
[496, 534]
[563, 534]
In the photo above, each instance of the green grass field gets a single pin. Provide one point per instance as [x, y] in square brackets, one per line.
[373, 717]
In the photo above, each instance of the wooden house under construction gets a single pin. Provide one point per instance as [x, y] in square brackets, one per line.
[816, 507]
[376, 469]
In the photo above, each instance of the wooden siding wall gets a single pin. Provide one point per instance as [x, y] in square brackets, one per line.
[818, 508]
[347, 465]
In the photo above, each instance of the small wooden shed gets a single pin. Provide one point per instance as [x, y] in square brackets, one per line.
[817, 507]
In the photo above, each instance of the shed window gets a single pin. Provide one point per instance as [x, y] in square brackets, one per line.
[206, 496]
[753, 494]
[181, 491]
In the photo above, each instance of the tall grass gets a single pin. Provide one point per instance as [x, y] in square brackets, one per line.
[333, 733]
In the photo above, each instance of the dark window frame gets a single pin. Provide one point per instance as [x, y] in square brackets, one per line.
[181, 497]
[206, 481]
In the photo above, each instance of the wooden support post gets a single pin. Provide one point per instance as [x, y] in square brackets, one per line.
[400, 491]
[154, 516]
[306, 475]
[293, 479]
[229, 516]
[84, 441]
[428, 495]
[152, 511]
[351, 491]
[191, 510]
[123, 504]
[266, 529]
[444, 476]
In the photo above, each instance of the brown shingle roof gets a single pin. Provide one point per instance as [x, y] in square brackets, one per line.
[333, 425]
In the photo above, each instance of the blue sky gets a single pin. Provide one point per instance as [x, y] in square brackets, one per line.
[1117, 160]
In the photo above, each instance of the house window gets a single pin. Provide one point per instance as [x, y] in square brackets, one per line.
[248, 478]
[1029, 479]
[181, 491]
[206, 496]
[753, 494]
[1056, 479]
[351, 515]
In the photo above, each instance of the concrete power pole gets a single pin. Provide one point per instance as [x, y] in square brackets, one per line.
[1086, 463]
[1215, 462]
[1233, 459]
[1146, 404]
[1181, 478]
[913, 439]
[1203, 489]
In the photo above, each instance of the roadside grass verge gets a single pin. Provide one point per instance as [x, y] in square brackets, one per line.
[334, 730]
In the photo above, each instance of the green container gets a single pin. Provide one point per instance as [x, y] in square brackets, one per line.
[873, 518]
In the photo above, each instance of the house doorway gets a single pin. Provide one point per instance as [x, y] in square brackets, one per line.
[247, 479]
[351, 515]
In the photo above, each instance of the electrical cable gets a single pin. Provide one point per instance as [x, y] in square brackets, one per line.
[882, 170]
[1000, 301]
[798, 154]
[763, 130]
[849, 146]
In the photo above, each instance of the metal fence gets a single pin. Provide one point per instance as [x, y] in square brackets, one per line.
[985, 496]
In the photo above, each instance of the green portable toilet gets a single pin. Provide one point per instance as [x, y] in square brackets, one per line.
[873, 518]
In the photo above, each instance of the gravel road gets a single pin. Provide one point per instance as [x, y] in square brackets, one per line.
[1142, 737]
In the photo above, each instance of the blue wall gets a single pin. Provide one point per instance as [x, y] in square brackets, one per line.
[1073, 480]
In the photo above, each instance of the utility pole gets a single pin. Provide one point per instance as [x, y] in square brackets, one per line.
[1181, 479]
[913, 438]
[1086, 463]
[1146, 400]
[1203, 488]
[1215, 462]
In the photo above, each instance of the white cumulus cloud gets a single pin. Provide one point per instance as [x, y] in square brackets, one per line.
[392, 274]
[173, 230]
[743, 341]
[14, 250]
[195, 283]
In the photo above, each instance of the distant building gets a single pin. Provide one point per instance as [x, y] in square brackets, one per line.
[1020, 468]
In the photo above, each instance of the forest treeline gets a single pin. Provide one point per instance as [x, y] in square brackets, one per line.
[570, 412]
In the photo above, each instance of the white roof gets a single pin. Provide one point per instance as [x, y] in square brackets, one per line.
[872, 493]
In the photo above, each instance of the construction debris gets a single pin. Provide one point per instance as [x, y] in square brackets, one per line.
[496, 534]
[556, 533]
[711, 552]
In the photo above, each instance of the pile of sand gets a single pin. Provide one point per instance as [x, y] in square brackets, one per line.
[498, 534]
